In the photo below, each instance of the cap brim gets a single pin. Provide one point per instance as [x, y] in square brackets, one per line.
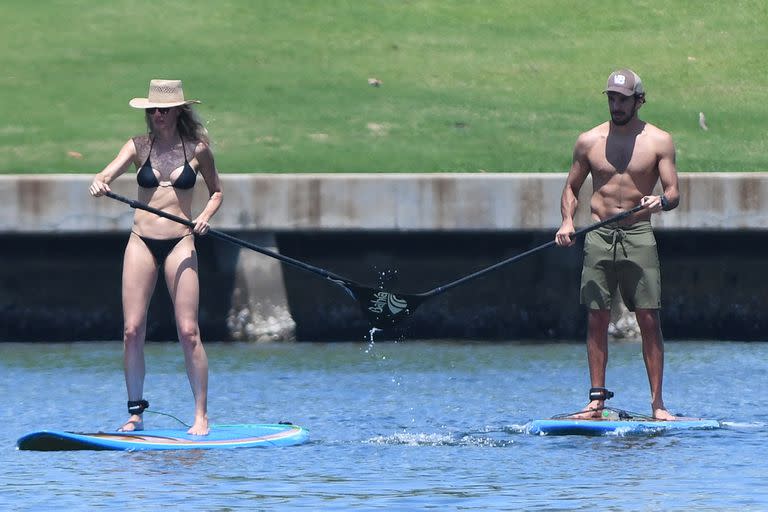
[620, 90]
[145, 103]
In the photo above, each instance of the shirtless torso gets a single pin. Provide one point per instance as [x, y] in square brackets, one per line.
[625, 167]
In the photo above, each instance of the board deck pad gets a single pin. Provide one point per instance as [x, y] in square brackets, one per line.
[220, 436]
[633, 426]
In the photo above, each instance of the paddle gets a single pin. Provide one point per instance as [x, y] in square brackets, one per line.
[382, 308]
[389, 308]
[368, 298]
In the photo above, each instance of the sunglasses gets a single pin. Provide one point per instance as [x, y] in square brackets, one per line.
[152, 110]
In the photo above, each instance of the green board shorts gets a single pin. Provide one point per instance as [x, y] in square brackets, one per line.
[623, 257]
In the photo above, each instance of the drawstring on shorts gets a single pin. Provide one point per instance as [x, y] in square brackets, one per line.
[618, 237]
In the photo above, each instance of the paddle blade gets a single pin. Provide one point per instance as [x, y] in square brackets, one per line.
[384, 309]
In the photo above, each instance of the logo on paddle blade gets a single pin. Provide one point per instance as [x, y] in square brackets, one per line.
[387, 300]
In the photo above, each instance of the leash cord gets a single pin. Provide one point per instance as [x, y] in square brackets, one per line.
[169, 415]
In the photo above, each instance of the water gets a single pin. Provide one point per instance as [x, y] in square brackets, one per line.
[394, 426]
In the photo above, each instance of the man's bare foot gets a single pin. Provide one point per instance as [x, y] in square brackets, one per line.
[134, 424]
[199, 427]
[660, 413]
[593, 410]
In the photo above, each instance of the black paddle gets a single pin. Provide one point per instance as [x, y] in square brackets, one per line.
[386, 309]
[368, 298]
[382, 308]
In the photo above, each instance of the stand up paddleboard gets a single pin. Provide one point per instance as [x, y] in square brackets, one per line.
[599, 427]
[220, 436]
[613, 421]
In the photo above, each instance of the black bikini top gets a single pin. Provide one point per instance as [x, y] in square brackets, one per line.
[146, 177]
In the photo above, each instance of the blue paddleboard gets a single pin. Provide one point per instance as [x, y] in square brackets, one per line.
[599, 427]
[220, 436]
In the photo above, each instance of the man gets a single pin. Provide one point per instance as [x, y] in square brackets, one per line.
[626, 158]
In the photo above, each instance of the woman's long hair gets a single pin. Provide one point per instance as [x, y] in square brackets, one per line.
[189, 124]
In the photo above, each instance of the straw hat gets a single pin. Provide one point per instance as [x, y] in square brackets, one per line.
[162, 93]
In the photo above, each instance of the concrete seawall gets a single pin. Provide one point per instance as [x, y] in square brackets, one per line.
[377, 202]
[62, 256]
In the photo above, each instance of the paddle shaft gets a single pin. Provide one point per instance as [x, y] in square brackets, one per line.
[229, 238]
[452, 284]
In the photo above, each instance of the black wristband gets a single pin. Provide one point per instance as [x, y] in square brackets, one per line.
[665, 203]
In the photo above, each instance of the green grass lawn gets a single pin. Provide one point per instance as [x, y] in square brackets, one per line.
[466, 85]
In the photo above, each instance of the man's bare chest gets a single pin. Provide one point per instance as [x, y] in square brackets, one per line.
[611, 157]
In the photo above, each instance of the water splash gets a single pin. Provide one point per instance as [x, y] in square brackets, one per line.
[746, 425]
[438, 439]
[387, 277]
[371, 342]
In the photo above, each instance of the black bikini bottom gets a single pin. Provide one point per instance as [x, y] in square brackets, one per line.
[160, 247]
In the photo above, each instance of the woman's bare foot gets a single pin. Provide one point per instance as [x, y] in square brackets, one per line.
[134, 424]
[199, 427]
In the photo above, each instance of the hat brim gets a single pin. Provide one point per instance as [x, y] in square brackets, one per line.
[145, 103]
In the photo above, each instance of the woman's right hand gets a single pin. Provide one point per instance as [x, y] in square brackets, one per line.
[116, 167]
[98, 188]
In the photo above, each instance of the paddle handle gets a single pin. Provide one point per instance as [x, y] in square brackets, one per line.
[482, 272]
[229, 238]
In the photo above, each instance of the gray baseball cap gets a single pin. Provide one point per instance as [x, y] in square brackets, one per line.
[626, 82]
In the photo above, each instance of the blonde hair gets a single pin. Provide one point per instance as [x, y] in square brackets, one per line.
[189, 124]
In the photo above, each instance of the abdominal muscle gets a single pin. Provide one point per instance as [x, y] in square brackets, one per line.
[618, 194]
[170, 200]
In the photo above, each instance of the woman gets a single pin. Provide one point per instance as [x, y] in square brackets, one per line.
[168, 160]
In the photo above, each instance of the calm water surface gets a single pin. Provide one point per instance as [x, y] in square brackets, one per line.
[394, 426]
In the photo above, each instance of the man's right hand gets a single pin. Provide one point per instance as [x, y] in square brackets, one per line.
[564, 234]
